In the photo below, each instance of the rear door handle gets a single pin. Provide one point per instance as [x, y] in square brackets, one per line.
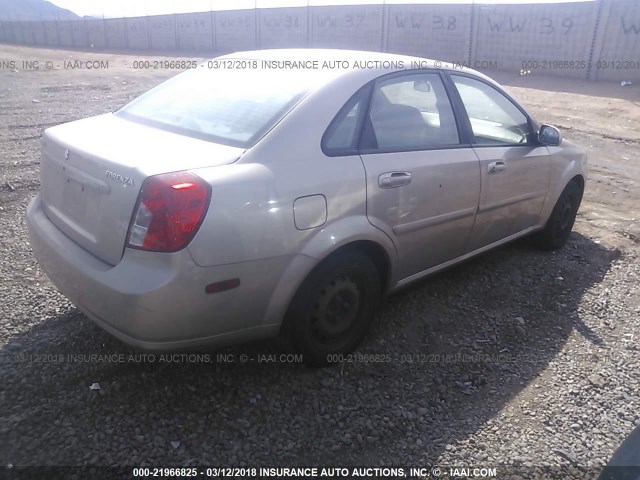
[394, 179]
[495, 167]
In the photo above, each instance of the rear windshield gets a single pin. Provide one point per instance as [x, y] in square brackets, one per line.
[232, 107]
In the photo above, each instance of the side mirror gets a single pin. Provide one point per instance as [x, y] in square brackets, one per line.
[550, 135]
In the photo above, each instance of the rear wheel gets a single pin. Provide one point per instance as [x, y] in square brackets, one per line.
[333, 308]
[558, 227]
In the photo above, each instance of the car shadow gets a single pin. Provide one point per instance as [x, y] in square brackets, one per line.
[443, 358]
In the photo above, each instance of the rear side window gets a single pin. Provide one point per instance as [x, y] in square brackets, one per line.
[341, 138]
[495, 120]
[233, 107]
[410, 112]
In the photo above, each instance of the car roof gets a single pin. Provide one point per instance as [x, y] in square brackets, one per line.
[319, 54]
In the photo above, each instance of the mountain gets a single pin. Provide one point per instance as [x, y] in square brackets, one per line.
[33, 10]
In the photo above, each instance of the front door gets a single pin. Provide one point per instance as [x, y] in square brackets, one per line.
[514, 166]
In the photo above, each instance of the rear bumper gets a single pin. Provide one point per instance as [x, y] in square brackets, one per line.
[157, 301]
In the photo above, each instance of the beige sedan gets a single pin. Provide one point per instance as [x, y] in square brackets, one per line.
[239, 201]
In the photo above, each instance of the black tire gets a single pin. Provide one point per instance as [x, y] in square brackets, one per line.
[558, 227]
[333, 308]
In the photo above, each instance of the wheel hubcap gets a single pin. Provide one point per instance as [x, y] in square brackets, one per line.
[564, 219]
[335, 309]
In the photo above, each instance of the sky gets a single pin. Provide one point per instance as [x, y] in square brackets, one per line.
[134, 8]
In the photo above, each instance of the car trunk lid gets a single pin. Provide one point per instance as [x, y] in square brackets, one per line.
[92, 171]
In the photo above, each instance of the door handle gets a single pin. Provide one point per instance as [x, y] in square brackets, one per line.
[495, 167]
[394, 179]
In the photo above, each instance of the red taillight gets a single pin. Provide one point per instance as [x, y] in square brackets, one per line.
[169, 211]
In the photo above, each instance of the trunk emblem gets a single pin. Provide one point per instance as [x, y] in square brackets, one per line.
[119, 178]
[66, 154]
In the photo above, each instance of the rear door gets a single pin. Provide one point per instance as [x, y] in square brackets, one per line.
[514, 166]
[423, 183]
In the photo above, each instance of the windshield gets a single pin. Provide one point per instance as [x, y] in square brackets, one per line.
[232, 107]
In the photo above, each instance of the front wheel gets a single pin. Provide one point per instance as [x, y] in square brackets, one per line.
[558, 227]
[334, 307]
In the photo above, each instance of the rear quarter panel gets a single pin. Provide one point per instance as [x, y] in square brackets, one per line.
[251, 215]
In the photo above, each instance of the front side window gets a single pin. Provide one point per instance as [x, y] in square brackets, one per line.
[410, 112]
[495, 120]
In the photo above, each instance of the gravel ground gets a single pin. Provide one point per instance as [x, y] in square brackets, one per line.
[513, 360]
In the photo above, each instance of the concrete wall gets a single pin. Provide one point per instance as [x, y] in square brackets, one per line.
[8, 32]
[194, 31]
[27, 33]
[433, 31]
[17, 32]
[235, 30]
[8, 29]
[64, 33]
[137, 29]
[283, 27]
[617, 48]
[39, 35]
[79, 34]
[50, 33]
[356, 27]
[162, 32]
[598, 40]
[96, 33]
[542, 36]
[115, 33]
